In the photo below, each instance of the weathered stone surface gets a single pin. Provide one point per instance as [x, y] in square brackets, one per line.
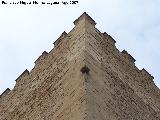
[84, 77]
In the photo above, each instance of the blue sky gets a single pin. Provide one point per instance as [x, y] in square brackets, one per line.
[26, 31]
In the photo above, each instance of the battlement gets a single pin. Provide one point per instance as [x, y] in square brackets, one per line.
[62, 36]
[85, 16]
[44, 54]
[128, 56]
[108, 37]
[5, 92]
[25, 73]
[84, 68]
[146, 74]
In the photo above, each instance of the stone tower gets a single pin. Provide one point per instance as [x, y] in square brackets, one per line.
[84, 77]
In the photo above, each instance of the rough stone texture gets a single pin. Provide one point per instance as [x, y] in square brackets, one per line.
[84, 77]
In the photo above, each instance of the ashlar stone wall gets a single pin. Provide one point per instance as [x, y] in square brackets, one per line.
[84, 77]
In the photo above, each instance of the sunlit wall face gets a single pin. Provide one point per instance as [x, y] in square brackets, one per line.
[26, 31]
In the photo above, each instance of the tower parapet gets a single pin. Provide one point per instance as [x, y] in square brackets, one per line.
[128, 56]
[84, 77]
[44, 54]
[62, 36]
[109, 38]
[24, 74]
[21, 80]
[5, 92]
[146, 74]
[84, 18]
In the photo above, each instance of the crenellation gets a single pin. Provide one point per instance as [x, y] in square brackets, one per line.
[21, 82]
[24, 74]
[62, 36]
[109, 38]
[5, 92]
[128, 56]
[84, 16]
[147, 77]
[43, 56]
[146, 74]
[84, 77]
